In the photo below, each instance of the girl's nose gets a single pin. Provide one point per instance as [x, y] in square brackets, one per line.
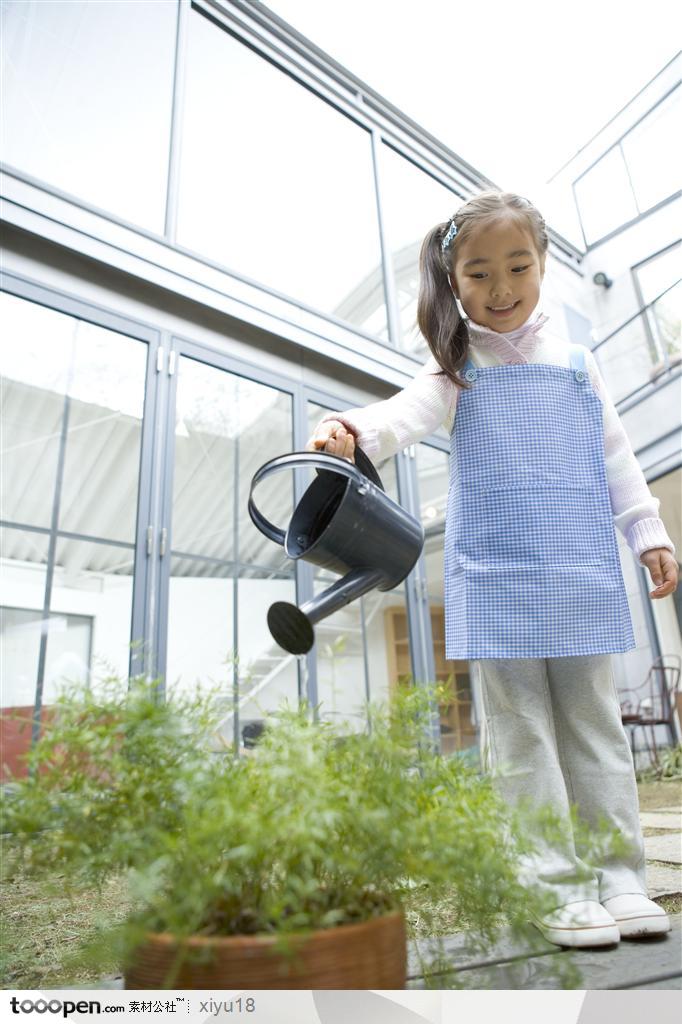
[500, 288]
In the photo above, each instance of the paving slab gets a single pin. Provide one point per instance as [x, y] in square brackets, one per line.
[461, 952]
[665, 848]
[641, 964]
[663, 880]
[661, 819]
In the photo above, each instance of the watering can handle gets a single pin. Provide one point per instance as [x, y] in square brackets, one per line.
[321, 460]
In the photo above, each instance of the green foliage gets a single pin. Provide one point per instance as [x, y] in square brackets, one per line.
[318, 827]
[670, 762]
[668, 766]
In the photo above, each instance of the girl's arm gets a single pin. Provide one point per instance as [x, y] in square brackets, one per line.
[635, 509]
[384, 428]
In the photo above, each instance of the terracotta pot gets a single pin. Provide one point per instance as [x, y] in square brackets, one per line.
[369, 955]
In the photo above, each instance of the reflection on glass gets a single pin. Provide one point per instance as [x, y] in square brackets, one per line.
[457, 718]
[658, 274]
[604, 196]
[652, 153]
[86, 99]
[54, 366]
[625, 360]
[64, 380]
[24, 561]
[226, 427]
[363, 650]
[106, 403]
[224, 573]
[275, 183]
[339, 644]
[412, 203]
[35, 355]
[661, 277]
[667, 323]
[90, 614]
[88, 627]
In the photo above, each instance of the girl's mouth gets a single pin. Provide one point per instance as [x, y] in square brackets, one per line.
[503, 311]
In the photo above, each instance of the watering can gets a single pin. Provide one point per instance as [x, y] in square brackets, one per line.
[345, 522]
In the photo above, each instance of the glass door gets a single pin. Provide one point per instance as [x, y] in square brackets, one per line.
[458, 719]
[73, 398]
[220, 573]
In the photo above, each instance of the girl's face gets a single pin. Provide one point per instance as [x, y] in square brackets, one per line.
[497, 274]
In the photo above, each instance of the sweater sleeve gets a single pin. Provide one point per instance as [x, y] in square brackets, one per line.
[384, 428]
[634, 507]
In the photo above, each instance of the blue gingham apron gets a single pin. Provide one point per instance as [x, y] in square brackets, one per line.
[532, 568]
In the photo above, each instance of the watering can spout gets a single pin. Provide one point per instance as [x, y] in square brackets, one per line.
[292, 627]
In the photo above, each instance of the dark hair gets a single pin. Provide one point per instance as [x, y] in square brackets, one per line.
[438, 315]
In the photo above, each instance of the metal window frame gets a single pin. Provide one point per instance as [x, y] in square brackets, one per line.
[653, 342]
[80, 309]
[146, 253]
[617, 144]
[182, 346]
[149, 613]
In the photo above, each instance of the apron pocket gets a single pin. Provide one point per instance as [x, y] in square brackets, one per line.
[535, 527]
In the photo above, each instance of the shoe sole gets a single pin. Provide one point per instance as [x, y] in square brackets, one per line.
[642, 927]
[606, 935]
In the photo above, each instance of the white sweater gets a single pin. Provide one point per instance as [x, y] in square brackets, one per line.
[429, 401]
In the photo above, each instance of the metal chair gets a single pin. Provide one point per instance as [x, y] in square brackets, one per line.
[653, 703]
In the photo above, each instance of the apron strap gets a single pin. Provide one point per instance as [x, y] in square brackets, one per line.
[577, 356]
[469, 371]
[577, 365]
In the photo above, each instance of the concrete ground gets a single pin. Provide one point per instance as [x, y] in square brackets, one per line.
[643, 964]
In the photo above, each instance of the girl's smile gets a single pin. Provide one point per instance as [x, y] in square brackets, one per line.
[497, 274]
[502, 311]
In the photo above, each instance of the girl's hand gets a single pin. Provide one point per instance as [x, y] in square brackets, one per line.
[333, 437]
[663, 570]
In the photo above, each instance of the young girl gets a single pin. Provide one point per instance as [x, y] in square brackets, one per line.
[540, 469]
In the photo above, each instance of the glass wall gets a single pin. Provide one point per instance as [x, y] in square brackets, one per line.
[457, 718]
[649, 345]
[651, 152]
[72, 405]
[668, 613]
[604, 196]
[86, 98]
[363, 650]
[224, 574]
[638, 172]
[659, 284]
[275, 183]
[412, 203]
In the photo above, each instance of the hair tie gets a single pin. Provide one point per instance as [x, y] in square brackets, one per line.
[447, 239]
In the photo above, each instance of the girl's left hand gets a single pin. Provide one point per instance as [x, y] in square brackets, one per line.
[662, 567]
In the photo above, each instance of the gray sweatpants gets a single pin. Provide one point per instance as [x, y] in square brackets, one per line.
[555, 736]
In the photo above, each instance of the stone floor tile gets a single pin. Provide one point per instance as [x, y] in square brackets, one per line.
[667, 848]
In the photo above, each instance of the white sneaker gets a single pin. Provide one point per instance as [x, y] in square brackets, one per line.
[583, 923]
[636, 915]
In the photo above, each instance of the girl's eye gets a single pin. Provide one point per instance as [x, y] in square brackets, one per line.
[477, 277]
[514, 269]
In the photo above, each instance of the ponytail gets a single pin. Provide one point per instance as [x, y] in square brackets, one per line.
[438, 316]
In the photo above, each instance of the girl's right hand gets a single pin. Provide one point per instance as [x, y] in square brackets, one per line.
[331, 436]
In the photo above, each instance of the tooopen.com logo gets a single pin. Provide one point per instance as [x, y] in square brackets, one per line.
[62, 1007]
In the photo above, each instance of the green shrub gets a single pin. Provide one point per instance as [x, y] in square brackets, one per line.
[318, 827]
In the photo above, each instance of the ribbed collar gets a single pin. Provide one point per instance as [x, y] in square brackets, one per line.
[513, 346]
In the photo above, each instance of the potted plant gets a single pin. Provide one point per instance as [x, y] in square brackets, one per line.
[289, 868]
